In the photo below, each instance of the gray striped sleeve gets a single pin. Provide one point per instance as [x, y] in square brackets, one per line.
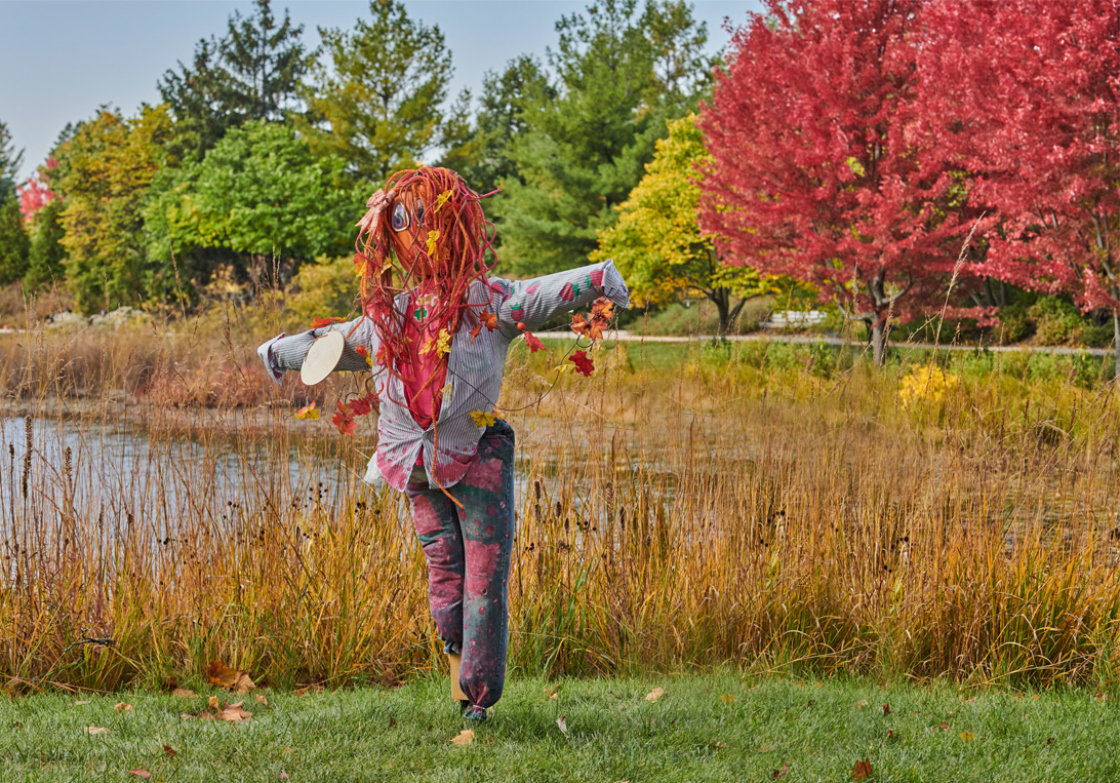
[283, 353]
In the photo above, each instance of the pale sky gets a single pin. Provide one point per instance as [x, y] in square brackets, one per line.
[61, 59]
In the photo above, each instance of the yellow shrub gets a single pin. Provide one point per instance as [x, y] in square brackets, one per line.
[927, 386]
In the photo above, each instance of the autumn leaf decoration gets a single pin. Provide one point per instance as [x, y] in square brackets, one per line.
[362, 351]
[602, 311]
[343, 418]
[319, 323]
[308, 411]
[487, 319]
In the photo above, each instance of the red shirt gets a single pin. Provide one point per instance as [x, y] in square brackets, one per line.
[420, 326]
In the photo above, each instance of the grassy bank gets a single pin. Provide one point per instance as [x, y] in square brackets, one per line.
[715, 727]
[772, 507]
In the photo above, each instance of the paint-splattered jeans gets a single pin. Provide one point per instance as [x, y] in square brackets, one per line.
[468, 551]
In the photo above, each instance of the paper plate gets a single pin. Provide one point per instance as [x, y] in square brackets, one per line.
[323, 357]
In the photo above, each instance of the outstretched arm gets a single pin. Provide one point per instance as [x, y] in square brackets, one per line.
[533, 302]
[287, 353]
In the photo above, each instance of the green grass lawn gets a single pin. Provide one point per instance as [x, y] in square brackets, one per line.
[704, 728]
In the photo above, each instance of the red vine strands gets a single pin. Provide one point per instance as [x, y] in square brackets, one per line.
[441, 237]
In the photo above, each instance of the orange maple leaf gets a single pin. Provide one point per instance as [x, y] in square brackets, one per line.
[319, 323]
[579, 324]
[862, 770]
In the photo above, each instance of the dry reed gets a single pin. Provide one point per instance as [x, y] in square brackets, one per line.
[759, 506]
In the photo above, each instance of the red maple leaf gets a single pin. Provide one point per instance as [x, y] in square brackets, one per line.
[319, 323]
[533, 342]
[343, 419]
[582, 363]
[363, 405]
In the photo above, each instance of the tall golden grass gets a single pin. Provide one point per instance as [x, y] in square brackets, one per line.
[757, 505]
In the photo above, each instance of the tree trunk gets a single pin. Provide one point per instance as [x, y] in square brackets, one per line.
[879, 340]
[721, 299]
[1115, 345]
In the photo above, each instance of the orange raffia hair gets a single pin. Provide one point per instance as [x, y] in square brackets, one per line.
[447, 245]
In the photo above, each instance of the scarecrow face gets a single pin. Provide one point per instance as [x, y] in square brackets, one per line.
[409, 235]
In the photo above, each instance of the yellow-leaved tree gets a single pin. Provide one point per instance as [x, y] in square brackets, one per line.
[656, 243]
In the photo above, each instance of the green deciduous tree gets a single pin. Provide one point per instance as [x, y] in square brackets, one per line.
[251, 73]
[261, 196]
[378, 93]
[622, 70]
[13, 242]
[105, 171]
[657, 244]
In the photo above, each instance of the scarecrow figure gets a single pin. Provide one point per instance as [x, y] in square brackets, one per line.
[436, 341]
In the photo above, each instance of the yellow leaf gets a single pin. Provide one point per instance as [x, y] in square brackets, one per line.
[441, 344]
[308, 412]
[466, 737]
[441, 199]
[967, 736]
[213, 703]
[655, 694]
[483, 418]
[445, 393]
[861, 704]
[433, 237]
[728, 698]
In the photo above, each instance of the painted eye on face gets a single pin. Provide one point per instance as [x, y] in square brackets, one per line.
[400, 217]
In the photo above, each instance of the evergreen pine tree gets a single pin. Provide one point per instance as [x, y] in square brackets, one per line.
[377, 99]
[10, 162]
[622, 71]
[45, 260]
[13, 242]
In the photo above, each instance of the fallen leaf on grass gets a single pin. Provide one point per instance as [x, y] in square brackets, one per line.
[778, 773]
[234, 714]
[466, 737]
[80, 703]
[861, 704]
[213, 703]
[655, 694]
[122, 707]
[392, 721]
[228, 677]
[553, 693]
[886, 709]
[942, 725]
[184, 693]
[170, 751]
[562, 722]
[728, 698]
[313, 688]
[282, 776]
[140, 773]
[262, 699]
[862, 770]
[97, 730]
[967, 736]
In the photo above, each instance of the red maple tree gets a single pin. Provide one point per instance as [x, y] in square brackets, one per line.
[819, 171]
[36, 192]
[1026, 95]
